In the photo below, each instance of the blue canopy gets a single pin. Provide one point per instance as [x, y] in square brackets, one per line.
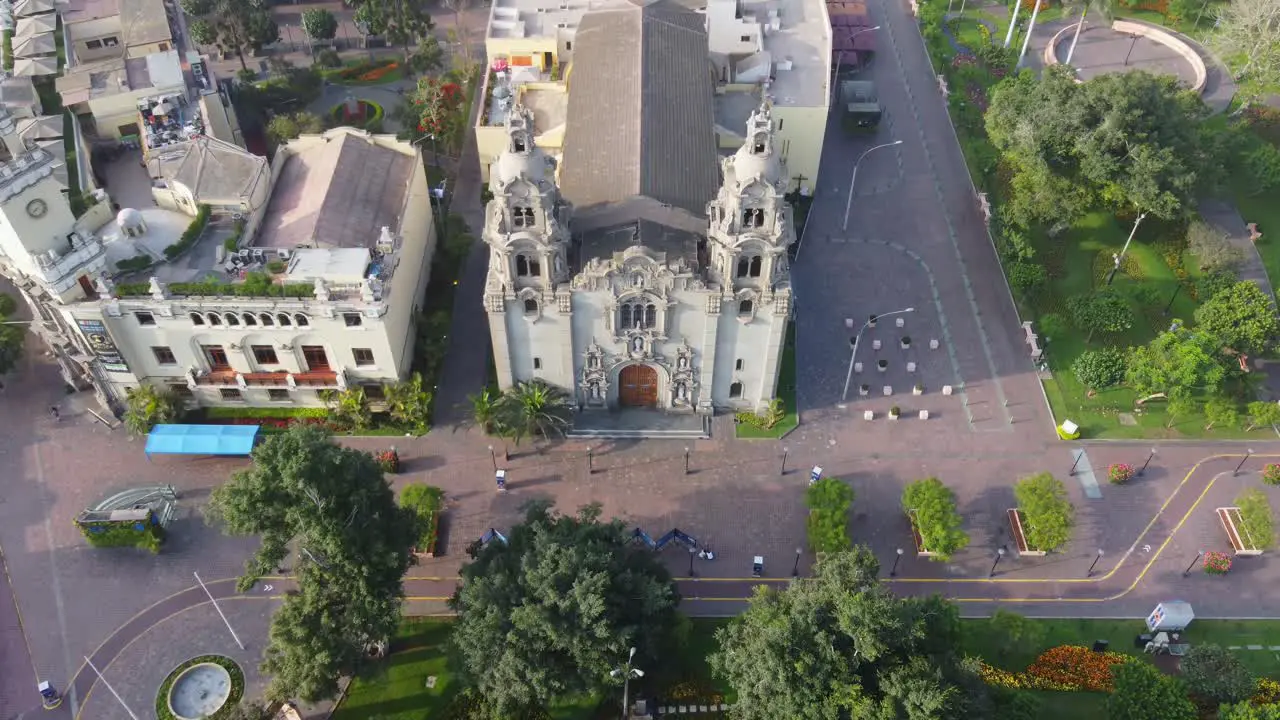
[201, 439]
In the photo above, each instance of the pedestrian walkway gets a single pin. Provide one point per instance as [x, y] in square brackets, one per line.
[1224, 217]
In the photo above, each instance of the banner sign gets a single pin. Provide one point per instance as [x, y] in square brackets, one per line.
[103, 347]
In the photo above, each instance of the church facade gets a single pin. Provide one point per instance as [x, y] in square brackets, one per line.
[634, 285]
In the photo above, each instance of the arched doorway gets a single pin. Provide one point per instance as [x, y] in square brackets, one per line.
[638, 386]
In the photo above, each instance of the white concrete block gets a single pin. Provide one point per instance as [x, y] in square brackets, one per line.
[901, 322]
[888, 390]
[933, 344]
[946, 390]
[857, 367]
[911, 367]
[869, 415]
[924, 414]
[875, 344]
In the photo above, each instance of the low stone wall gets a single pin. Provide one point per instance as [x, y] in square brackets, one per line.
[1153, 32]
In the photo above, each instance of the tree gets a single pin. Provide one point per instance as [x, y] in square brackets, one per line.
[534, 409]
[1221, 412]
[1249, 31]
[460, 30]
[1047, 513]
[1142, 692]
[1242, 318]
[1263, 413]
[937, 521]
[1105, 311]
[429, 57]
[319, 24]
[353, 542]
[409, 404]
[1015, 634]
[287, 126]
[1179, 405]
[1216, 674]
[1211, 283]
[434, 108]
[1104, 8]
[1027, 278]
[1178, 360]
[1212, 248]
[1097, 369]
[402, 22]
[1249, 711]
[232, 25]
[548, 613]
[11, 336]
[147, 406]
[349, 409]
[841, 645]
[484, 411]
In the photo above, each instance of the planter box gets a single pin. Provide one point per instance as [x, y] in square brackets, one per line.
[1230, 518]
[430, 552]
[915, 535]
[1019, 538]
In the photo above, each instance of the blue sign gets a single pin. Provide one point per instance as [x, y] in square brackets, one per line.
[103, 347]
[815, 474]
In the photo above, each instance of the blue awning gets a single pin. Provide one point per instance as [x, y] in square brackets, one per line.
[201, 439]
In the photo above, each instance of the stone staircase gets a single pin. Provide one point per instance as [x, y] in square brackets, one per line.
[637, 423]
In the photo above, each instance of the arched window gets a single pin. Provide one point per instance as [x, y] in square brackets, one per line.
[753, 217]
[530, 306]
[522, 266]
[650, 316]
[196, 319]
[249, 319]
[735, 389]
[214, 319]
[301, 320]
[521, 216]
[624, 317]
[756, 263]
[284, 320]
[232, 319]
[267, 320]
[744, 266]
[535, 267]
[745, 307]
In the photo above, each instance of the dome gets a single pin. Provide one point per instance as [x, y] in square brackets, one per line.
[129, 218]
[748, 166]
[511, 165]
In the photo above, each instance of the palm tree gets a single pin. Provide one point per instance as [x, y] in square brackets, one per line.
[147, 406]
[410, 404]
[535, 408]
[1105, 8]
[484, 411]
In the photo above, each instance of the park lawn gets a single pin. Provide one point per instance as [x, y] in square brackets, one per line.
[1261, 208]
[1070, 705]
[397, 689]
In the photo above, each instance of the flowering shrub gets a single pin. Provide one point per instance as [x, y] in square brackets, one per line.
[1217, 563]
[377, 74]
[964, 59]
[1028, 4]
[977, 95]
[1271, 474]
[1120, 473]
[357, 72]
[388, 460]
[1267, 692]
[437, 102]
[1064, 668]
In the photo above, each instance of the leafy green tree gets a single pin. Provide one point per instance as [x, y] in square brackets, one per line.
[827, 523]
[11, 336]
[409, 403]
[1263, 164]
[1027, 278]
[1242, 318]
[535, 409]
[319, 24]
[1211, 283]
[1015, 634]
[841, 645]
[937, 520]
[233, 25]
[1178, 360]
[353, 542]
[1143, 692]
[1263, 413]
[1249, 711]
[287, 126]
[402, 22]
[147, 406]
[551, 611]
[484, 411]
[1180, 405]
[433, 108]
[1221, 412]
[1248, 33]
[429, 57]
[1047, 513]
[1212, 248]
[349, 409]
[1215, 673]
[1097, 369]
[1106, 311]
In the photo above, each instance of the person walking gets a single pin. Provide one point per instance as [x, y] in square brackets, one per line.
[53, 410]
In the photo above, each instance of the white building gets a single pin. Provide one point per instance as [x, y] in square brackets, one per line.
[321, 295]
[642, 279]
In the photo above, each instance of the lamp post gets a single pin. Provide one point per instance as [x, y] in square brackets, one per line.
[854, 178]
[795, 570]
[1095, 562]
[493, 457]
[1072, 472]
[784, 461]
[849, 377]
[626, 672]
[692, 551]
[1131, 45]
[686, 461]
[591, 469]
[1120, 258]
[994, 565]
[1143, 469]
[893, 572]
[1243, 460]
[1196, 559]
[840, 60]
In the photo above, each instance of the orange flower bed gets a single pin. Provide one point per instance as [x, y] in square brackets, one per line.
[377, 73]
[1065, 668]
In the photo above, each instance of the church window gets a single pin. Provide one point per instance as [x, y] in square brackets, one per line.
[517, 144]
[522, 266]
[214, 319]
[522, 217]
[738, 364]
[744, 266]
[232, 319]
[735, 389]
[753, 217]
[637, 316]
[197, 319]
[624, 317]
[530, 306]
[745, 307]
[537, 363]
[650, 316]
[755, 266]
[757, 145]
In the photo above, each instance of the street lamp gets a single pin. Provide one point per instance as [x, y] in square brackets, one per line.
[1243, 460]
[795, 571]
[692, 551]
[999, 555]
[894, 571]
[1148, 462]
[626, 672]
[1199, 554]
[1120, 258]
[849, 377]
[854, 177]
[1095, 562]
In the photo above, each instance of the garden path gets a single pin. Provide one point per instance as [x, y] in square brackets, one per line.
[1224, 216]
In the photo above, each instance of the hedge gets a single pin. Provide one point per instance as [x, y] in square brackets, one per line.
[214, 413]
[190, 235]
[123, 534]
[233, 699]
[134, 264]
[426, 502]
[221, 289]
[829, 500]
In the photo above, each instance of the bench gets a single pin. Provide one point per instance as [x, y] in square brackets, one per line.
[915, 535]
[1230, 518]
[1020, 538]
[1033, 341]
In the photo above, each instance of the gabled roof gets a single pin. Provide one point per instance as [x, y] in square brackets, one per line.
[641, 118]
[35, 24]
[35, 66]
[45, 127]
[34, 45]
[216, 172]
[24, 8]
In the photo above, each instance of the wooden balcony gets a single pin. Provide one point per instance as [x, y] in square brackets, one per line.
[322, 379]
[217, 377]
[279, 379]
[267, 379]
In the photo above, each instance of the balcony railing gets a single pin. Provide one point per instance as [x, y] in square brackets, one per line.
[320, 379]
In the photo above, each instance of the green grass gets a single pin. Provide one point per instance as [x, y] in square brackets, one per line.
[786, 393]
[396, 689]
[1070, 705]
[1261, 208]
[6, 37]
